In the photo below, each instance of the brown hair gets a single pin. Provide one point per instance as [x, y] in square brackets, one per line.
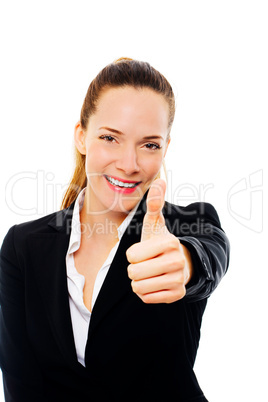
[122, 72]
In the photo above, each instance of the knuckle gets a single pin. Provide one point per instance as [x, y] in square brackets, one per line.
[181, 292]
[172, 297]
[173, 264]
[135, 286]
[130, 271]
[178, 260]
[146, 298]
[130, 254]
[181, 261]
[175, 295]
[173, 242]
[179, 278]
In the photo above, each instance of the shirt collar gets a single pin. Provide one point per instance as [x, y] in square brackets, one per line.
[75, 237]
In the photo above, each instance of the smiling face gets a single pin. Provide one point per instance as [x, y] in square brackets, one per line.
[125, 143]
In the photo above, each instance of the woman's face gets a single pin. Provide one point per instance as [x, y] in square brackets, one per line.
[125, 143]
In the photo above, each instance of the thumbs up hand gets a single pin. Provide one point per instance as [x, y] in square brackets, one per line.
[160, 266]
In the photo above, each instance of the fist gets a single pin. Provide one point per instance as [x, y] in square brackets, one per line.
[160, 266]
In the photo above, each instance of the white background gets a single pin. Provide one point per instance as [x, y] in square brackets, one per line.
[214, 53]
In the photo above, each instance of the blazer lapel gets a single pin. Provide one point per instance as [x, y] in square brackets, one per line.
[117, 282]
[48, 251]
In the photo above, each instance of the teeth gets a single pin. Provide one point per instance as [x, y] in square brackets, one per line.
[119, 183]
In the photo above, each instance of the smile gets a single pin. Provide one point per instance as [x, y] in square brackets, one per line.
[121, 184]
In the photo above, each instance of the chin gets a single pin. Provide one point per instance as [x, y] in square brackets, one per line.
[124, 207]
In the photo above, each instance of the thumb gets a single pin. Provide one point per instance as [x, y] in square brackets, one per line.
[154, 222]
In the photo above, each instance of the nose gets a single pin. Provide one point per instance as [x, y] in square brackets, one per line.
[127, 161]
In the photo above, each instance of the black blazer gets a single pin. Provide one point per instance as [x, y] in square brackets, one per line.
[135, 351]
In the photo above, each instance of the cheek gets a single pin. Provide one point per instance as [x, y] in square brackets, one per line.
[97, 157]
[152, 165]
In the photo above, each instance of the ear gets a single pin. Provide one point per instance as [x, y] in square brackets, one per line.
[80, 138]
[167, 147]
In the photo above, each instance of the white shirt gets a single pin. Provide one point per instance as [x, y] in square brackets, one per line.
[80, 315]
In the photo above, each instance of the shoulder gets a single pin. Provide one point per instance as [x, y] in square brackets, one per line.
[197, 211]
[18, 234]
[38, 225]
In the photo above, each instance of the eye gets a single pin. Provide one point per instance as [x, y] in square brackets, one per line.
[107, 138]
[152, 146]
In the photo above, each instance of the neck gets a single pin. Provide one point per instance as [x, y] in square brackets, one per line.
[97, 224]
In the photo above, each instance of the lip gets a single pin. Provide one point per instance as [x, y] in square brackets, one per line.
[121, 189]
[123, 180]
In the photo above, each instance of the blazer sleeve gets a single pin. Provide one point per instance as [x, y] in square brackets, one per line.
[209, 248]
[22, 378]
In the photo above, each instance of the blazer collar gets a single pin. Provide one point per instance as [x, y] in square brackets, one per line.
[48, 256]
[61, 220]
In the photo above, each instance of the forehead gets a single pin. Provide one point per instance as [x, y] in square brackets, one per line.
[128, 107]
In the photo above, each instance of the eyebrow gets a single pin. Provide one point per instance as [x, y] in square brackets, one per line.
[148, 137]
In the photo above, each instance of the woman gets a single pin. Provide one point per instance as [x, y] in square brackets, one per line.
[103, 300]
